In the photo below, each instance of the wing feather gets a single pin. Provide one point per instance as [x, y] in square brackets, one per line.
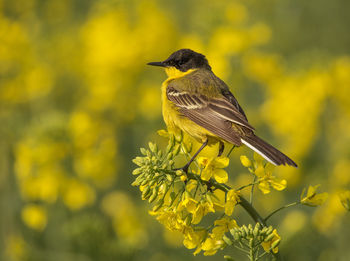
[219, 106]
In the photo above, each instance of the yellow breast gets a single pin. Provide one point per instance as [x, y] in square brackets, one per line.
[173, 119]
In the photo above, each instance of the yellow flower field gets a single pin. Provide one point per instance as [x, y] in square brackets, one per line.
[77, 101]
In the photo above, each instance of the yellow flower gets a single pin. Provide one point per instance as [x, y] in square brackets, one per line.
[211, 246]
[193, 238]
[34, 216]
[202, 209]
[222, 226]
[345, 199]
[213, 167]
[266, 179]
[267, 245]
[245, 161]
[232, 198]
[311, 198]
[169, 218]
[189, 204]
[78, 194]
[191, 185]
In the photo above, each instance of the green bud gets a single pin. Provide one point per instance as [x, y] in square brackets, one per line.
[246, 230]
[168, 148]
[227, 240]
[243, 232]
[187, 148]
[139, 161]
[269, 230]
[229, 258]
[256, 230]
[269, 237]
[137, 171]
[160, 154]
[154, 195]
[146, 192]
[152, 182]
[236, 236]
[209, 198]
[169, 177]
[275, 243]
[143, 151]
[144, 182]
[158, 205]
[250, 227]
[177, 149]
[179, 172]
[136, 183]
[153, 147]
[233, 231]
[179, 136]
[169, 156]
[171, 163]
[263, 231]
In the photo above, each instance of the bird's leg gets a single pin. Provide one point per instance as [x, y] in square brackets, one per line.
[221, 148]
[185, 168]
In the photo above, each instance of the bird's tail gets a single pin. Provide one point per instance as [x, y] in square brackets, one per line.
[267, 151]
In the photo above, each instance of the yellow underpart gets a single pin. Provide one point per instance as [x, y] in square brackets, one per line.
[173, 118]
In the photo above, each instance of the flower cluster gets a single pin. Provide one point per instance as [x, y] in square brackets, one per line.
[186, 202]
[263, 172]
[182, 201]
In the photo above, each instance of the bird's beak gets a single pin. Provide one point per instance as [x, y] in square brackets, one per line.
[161, 64]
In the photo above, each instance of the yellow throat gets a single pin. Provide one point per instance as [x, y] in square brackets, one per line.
[172, 72]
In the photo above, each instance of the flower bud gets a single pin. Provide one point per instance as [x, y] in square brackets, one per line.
[269, 237]
[275, 243]
[245, 161]
[227, 240]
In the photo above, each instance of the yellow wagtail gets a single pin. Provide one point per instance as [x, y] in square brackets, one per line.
[199, 103]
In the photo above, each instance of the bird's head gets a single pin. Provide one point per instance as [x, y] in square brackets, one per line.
[182, 61]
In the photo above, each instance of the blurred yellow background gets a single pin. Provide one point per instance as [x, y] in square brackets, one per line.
[77, 101]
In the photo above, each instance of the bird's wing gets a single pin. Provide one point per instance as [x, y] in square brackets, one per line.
[213, 114]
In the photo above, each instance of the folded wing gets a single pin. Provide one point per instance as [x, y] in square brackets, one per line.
[213, 114]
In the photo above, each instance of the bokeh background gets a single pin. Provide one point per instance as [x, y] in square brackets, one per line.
[77, 101]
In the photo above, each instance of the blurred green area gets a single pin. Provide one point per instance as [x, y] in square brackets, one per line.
[77, 101]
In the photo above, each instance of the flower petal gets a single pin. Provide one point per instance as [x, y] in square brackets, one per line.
[203, 161]
[278, 184]
[206, 175]
[264, 187]
[220, 175]
[245, 161]
[221, 162]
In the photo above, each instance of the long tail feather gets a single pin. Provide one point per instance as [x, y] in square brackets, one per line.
[267, 151]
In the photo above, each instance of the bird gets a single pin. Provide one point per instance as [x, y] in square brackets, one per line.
[197, 102]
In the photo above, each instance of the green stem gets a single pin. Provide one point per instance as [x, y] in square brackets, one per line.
[279, 209]
[246, 186]
[228, 154]
[252, 191]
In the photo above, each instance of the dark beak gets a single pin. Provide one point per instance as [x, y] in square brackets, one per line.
[161, 64]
